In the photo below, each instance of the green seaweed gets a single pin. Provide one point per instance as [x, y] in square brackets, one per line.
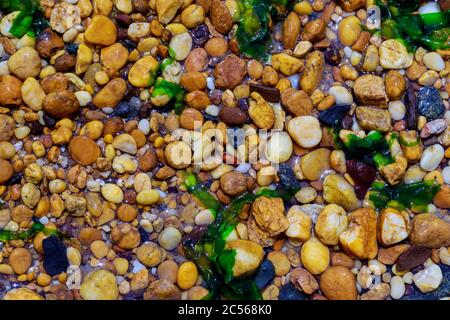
[253, 33]
[201, 193]
[174, 91]
[415, 195]
[29, 21]
[36, 227]
[214, 262]
[431, 30]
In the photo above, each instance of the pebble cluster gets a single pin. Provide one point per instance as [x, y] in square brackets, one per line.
[86, 148]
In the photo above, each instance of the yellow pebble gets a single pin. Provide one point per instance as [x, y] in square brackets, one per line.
[147, 197]
[110, 153]
[99, 249]
[62, 278]
[6, 269]
[92, 129]
[38, 148]
[421, 122]
[187, 275]
[74, 256]
[43, 279]
[101, 77]
[89, 89]
[22, 278]
[303, 8]
[30, 276]
[435, 176]
[65, 123]
[108, 138]
[121, 265]
[158, 142]
[447, 153]
[47, 71]
[112, 193]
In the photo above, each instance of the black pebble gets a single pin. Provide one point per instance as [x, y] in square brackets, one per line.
[243, 104]
[122, 109]
[144, 235]
[287, 177]
[430, 103]
[289, 292]
[55, 258]
[133, 113]
[15, 179]
[209, 117]
[72, 49]
[200, 35]
[127, 43]
[334, 115]
[265, 274]
[49, 121]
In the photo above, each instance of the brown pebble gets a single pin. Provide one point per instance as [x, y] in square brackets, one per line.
[20, 260]
[84, 150]
[6, 171]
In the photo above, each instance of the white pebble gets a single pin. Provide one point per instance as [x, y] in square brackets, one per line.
[108, 110]
[70, 35]
[397, 110]
[294, 80]
[204, 217]
[446, 175]
[144, 126]
[397, 287]
[169, 238]
[376, 267]
[434, 61]
[355, 58]
[348, 52]
[210, 83]
[4, 70]
[43, 220]
[22, 132]
[408, 278]
[429, 279]
[429, 7]
[83, 97]
[137, 266]
[432, 157]
[146, 225]
[280, 147]
[243, 167]
[342, 95]
[181, 44]
[212, 110]
[447, 117]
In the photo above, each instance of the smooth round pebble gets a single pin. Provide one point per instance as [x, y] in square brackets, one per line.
[432, 157]
[169, 238]
[434, 61]
[112, 193]
[305, 131]
[446, 174]
[397, 287]
[279, 148]
[187, 275]
[342, 95]
[397, 110]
